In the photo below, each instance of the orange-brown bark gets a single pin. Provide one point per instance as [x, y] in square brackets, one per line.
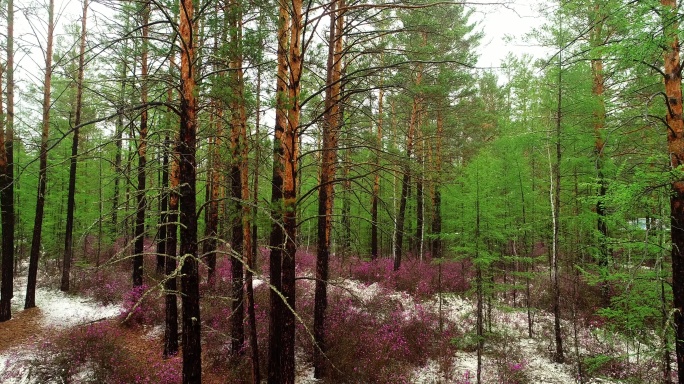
[290, 163]
[186, 149]
[277, 236]
[598, 90]
[675, 146]
[326, 186]
[237, 175]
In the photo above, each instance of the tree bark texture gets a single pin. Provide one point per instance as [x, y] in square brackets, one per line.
[277, 236]
[192, 350]
[30, 301]
[555, 190]
[164, 207]
[238, 173]
[138, 249]
[71, 196]
[406, 179]
[7, 180]
[420, 197]
[675, 145]
[327, 183]
[290, 163]
[211, 229]
[119, 148]
[598, 89]
[437, 195]
[170, 284]
[376, 179]
[252, 239]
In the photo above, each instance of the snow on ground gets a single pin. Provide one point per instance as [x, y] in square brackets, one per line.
[62, 310]
[512, 323]
[8, 372]
[360, 291]
[57, 310]
[153, 333]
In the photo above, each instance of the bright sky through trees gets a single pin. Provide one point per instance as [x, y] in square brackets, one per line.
[505, 27]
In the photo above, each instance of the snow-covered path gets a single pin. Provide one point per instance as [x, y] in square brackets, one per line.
[55, 310]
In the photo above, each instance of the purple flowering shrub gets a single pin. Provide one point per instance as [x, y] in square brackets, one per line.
[379, 340]
[216, 319]
[419, 278]
[141, 306]
[95, 354]
[512, 372]
[102, 285]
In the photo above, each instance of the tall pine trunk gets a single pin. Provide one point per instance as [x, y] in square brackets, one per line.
[213, 188]
[71, 196]
[253, 246]
[138, 249]
[420, 197]
[170, 235]
[598, 86]
[675, 145]
[376, 179]
[284, 239]
[277, 236]
[436, 246]
[30, 301]
[290, 163]
[406, 179]
[238, 172]
[7, 180]
[186, 150]
[170, 284]
[118, 139]
[554, 195]
[163, 207]
[327, 182]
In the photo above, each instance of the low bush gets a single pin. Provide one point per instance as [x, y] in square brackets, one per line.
[95, 354]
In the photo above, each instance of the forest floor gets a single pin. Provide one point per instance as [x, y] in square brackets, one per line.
[22, 336]
[54, 310]
[509, 353]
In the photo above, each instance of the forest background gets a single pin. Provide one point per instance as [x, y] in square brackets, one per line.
[196, 145]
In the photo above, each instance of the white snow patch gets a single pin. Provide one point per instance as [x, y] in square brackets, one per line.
[154, 333]
[454, 308]
[13, 369]
[359, 290]
[306, 377]
[61, 310]
[58, 310]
